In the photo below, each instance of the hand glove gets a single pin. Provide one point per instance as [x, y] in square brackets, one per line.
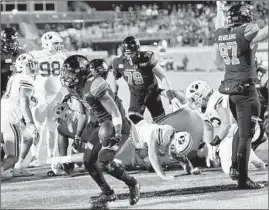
[77, 143]
[66, 98]
[216, 141]
[117, 137]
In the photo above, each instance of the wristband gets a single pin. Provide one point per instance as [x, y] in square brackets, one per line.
[116, 121]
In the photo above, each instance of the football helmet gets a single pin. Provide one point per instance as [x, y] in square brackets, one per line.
[61, 112]
[262, 75]
[239, 14]
[130, 47]
[9, 40]
[181, 143]
[197, 92]
[52, 41]
[98, 67]
[74, 71]
[25, 63]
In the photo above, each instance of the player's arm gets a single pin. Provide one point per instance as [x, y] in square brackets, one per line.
[226, 122]
[112, 109]
[26, 91]
[82, 119]
[261, 35]
[220, 15]
[114, 80]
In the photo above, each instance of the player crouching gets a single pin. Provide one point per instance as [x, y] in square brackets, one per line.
[92, 91]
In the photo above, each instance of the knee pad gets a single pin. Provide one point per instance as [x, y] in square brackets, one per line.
[114, 167]
[136, 118]
[106, 133]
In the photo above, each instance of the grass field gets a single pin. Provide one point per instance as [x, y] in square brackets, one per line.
[212, 189]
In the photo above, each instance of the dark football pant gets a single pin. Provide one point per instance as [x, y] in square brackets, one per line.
[98, 160]
[138, 105]
[245, 108]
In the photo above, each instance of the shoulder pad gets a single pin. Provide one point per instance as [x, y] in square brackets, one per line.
[151, 58]
[99, 87]
[251, 30]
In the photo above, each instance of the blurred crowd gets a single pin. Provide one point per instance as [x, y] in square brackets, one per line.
[184, 24]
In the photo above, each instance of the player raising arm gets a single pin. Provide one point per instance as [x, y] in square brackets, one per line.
[237, 44]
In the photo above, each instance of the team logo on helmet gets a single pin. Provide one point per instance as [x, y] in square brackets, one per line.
[182, 143]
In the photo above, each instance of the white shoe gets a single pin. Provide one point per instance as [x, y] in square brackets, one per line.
[34, 163]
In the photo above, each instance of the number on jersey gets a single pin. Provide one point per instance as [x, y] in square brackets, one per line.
[134, 78]
[47, 68]
[224, 47]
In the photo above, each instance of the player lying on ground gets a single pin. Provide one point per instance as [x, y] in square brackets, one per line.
[48, 91]
[218, 123]
[15, 106]
[92, 91]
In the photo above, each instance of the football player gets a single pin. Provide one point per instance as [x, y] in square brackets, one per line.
[9, 52]
[262, 87]
[48, 91]
[15, 106]
[218, 123]
[139, 69]
[237, 44]
[93, 92]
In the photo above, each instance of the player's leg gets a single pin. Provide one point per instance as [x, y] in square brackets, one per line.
[39, 116]
[27, 140]
[63, 143]
[11, 136]
[106, 160]
[234, 165]
[247, 108]
[90, 162]
[155, 107]
[136, 109]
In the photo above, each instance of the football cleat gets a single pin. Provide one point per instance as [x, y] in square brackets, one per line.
[249, 185]
[103, 198]
[22, 172]
[134, 193]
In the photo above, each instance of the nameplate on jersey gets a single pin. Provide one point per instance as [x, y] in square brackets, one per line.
[143, 64]
[8, 60]
[227, 37]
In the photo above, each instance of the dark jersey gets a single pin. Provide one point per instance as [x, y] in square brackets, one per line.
[139, 74]
[90, 94]
[8, 61]
[234, 48]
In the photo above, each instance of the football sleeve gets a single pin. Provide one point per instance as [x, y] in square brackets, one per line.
[99, 87]
[26, 82]
[116, 71]
[251, 31]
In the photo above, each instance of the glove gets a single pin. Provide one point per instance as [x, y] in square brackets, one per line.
[118, 138]
[66, 98]
[77, 143]
[216, 141]
[176, 105]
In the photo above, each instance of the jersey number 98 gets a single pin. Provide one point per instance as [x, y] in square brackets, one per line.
[47, 68]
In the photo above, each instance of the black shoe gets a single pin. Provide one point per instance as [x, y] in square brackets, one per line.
[103, 198]
[233, 173]
[134, 193]
[249, 184]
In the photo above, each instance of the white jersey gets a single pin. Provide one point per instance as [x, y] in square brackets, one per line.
[47, 81]
[10, 102]
[216, 100]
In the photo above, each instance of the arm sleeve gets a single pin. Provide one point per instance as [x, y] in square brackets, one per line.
[99, 87]
[251, 31]
[116, 71]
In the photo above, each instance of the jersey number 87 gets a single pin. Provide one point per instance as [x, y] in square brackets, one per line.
[48, 68]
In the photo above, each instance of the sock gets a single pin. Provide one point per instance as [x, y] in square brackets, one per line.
[18, 165]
